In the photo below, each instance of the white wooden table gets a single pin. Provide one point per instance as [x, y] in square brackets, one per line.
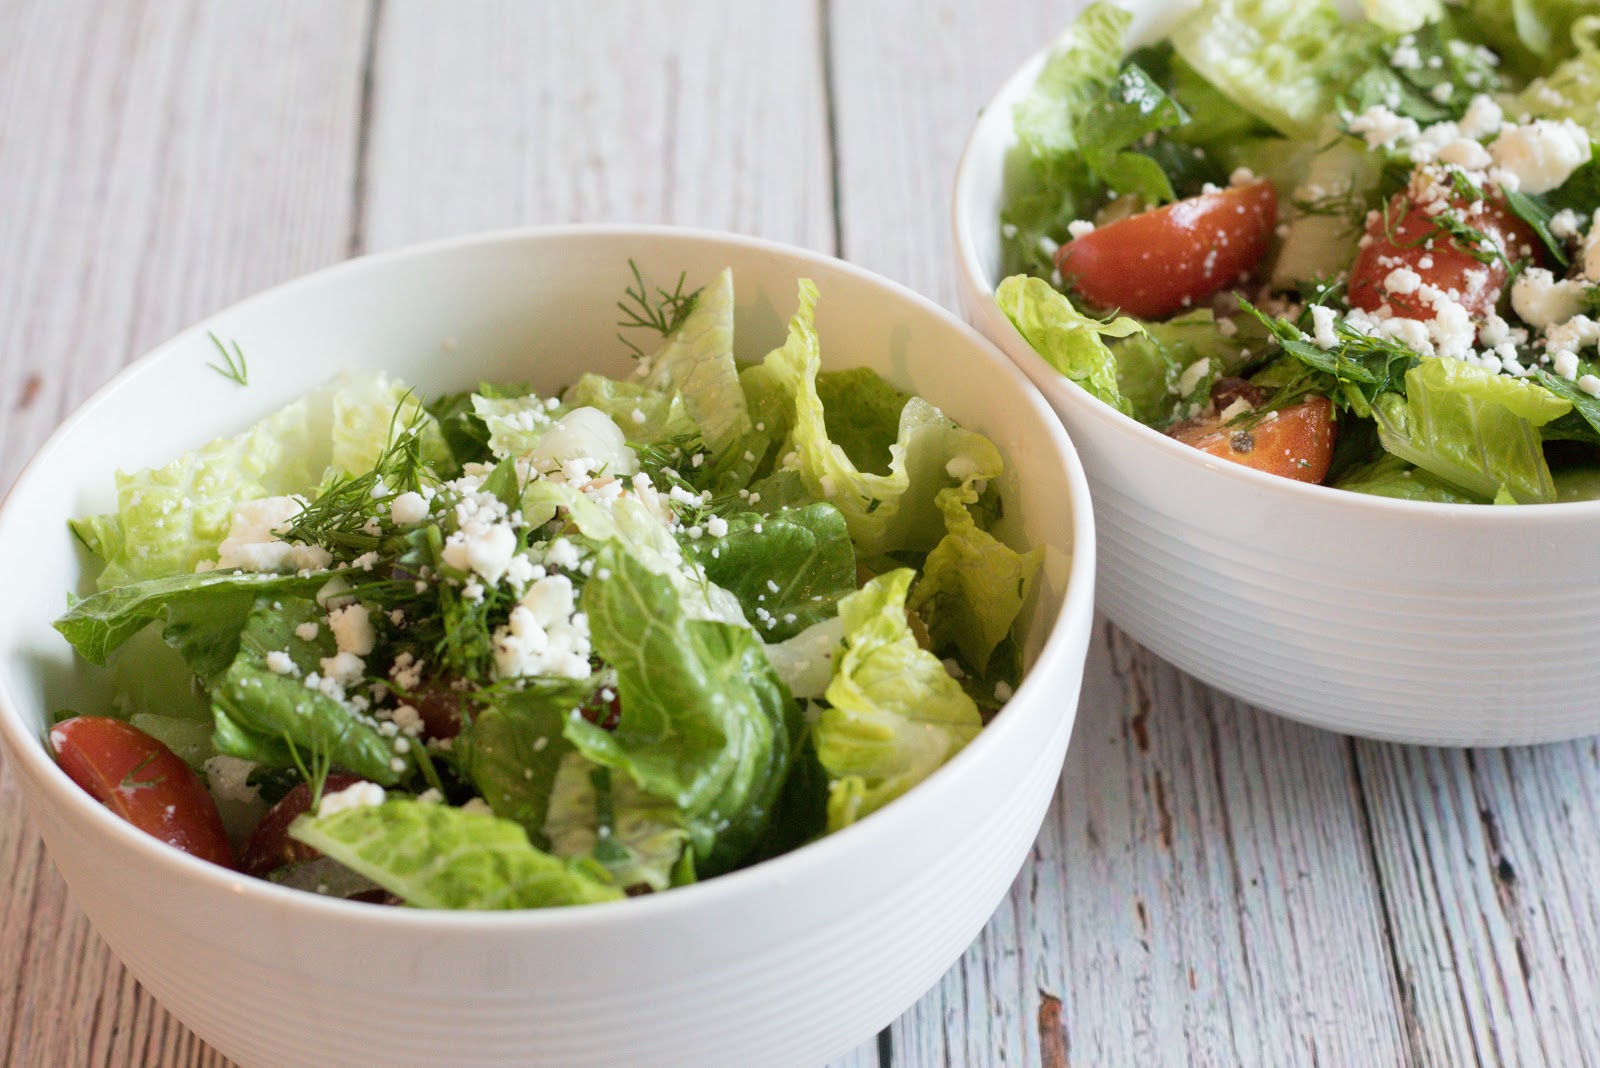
[1212, 886]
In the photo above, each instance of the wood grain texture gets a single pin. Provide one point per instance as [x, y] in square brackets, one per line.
[158, 161]
[501, 114]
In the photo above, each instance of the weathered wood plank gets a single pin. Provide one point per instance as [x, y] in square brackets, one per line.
[500, 114]
[1487, 861]
[159, 160]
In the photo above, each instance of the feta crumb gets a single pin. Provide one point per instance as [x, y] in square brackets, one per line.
[1080, 228]
[408, 508]
[281, 663]
[357, 795]
[1192, 375]
[1324, 319]
[352, 629]
[1541, 154]
[307, 631]
[1542, 301]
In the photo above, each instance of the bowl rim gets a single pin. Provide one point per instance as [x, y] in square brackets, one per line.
[1052, 383]
[896, 818]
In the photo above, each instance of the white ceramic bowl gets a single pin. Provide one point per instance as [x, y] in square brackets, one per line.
[789, 962]
[1444, 624]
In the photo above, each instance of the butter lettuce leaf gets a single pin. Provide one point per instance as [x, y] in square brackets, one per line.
[895, 715]
[435, 856]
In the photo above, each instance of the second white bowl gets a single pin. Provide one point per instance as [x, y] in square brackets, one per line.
[1444, 624]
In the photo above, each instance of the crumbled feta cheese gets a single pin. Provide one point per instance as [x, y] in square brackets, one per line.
[1080, 228]
[357, 795]
[1382, 128]
[1465, 153]
[544, 635]
[307, 631]
[561, 553]
[483, 548]
[346, 669]
[406, 671]
[1541, 154]
[253, 544]
[281, 663]
[1192, 375]
[1542, 301]
[1003, 691]
[1566, 364]
[352, 629]
[1482, 119]
[408, 508]
[408, 720]
[717, 527]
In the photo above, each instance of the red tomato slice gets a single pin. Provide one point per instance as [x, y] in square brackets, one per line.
[1404, 235]
[1159, 262]
[1297, 443]
[142, 781]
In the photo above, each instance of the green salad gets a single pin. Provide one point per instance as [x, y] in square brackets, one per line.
[496, 649]
[1359, 252]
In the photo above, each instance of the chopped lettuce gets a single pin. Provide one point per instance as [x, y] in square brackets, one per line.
[636, 837]
[696, 363]
[1047, 182]
[268, 707]
[1571, 89]
[1530, 36]
[705, 721]
[435, 856]
[1475, 429]
[1390, 476]
[514, 425]
[895, 715]
[514, 747]
[1283, 61]
[973, 585]
[885, 512]
[788, 570]
[170, 519]
[1069, 341]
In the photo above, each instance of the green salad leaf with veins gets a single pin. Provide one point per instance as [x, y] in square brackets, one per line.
[1358, 251]
[559, 649]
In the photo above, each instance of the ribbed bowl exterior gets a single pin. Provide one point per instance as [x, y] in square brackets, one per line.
[788, 962]
[1441, 624]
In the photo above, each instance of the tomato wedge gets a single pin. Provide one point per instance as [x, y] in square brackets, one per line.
[1295, 443]
[1159, 262]
[1406, 235]
[144, 782]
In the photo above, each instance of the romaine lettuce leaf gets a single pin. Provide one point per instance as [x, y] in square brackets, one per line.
[1578, 483]
[788, 570]
[435, 856]
[1390, 476]
[1571, 89]
[599, 814]
[1283, 61]
[645, 413]
[1133, 108]
[463, 431]
[170, 519]
[805, 661]
[885, 512]
[895, 714]
[1531, 36]
[510, 751]
[1474, 429]
[973, 585]
[269, 707]
[1069, 341]
[696, 363]
[1047, 181]
[705, 721]
[100, 623]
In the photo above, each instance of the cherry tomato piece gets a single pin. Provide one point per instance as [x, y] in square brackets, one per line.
[144, 782]
[1160, 262]
[270, 846]
[1295, 443]
[1406, 235]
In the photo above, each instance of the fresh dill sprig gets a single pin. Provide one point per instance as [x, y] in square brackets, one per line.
[662, 313]
[339, 517]
[233, 367]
